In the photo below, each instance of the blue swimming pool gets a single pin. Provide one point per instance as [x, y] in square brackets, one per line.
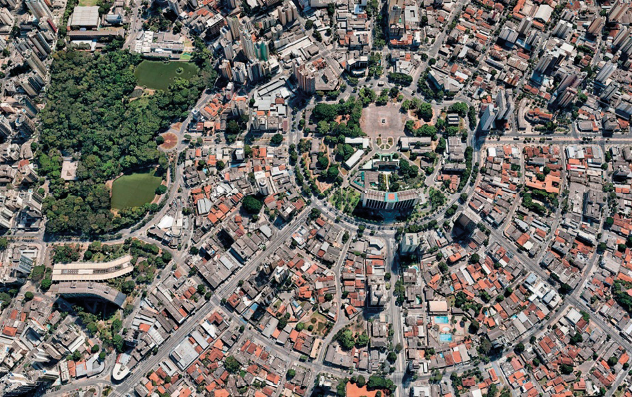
[445, 337]
[441, 319]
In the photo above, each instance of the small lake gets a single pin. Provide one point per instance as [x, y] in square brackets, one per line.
[134, 190]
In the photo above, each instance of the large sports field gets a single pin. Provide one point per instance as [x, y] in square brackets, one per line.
[134, 190]
[159, 75]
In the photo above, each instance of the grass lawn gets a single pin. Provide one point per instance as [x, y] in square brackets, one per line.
[159, 75]
[318, 317]
[102, 257]
[345, 199]
[318, 321]
[134, 190]
[88, 3]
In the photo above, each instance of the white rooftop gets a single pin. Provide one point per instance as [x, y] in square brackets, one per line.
[85, 16]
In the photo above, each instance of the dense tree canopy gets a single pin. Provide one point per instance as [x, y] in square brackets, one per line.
[400, 78]
[425, 111]
[252, 204]
[276, 139]
[90, 115]
[232, 365]
[324, 116]
[460, 107]
[345, 338]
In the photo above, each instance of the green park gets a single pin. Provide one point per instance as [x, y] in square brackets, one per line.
[160, 75]
[134, 190]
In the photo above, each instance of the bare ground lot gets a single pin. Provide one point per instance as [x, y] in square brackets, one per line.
[171, 140]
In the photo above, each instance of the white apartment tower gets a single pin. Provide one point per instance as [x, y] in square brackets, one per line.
[5, 127]
[26, 86]
[36, 64]
[410, 243]
[233, 24]
[622, 36]
[240, 73]
[247, 45]
[626, 47]
[609, 92]
[13, 4]
[571, 80]
[226, 70]
[6, 17]
[229, 52]
[562, 29]
[504, 105]
[568, 97]
[604, 74]
[39, 9]
[524, 26]
[618, 10]
[595, 26]
[287, 13]
[544, 63]
[487, 118]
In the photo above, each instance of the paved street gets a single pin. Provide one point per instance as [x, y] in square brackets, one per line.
[176, 337]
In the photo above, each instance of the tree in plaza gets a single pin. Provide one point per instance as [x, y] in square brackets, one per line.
[460, 107]
[323, 127]
[345, 338]
[323, 160]
[333, 172]
[46, 283]
[116, 325]
[362, 340]
[519, 348]
[119, 345]
[425, 111]
[324, 111]
[276, 139]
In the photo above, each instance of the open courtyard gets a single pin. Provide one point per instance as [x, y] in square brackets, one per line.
[383, 122]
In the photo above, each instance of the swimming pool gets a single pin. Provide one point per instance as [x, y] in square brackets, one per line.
[441, 319]
[445, 337]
